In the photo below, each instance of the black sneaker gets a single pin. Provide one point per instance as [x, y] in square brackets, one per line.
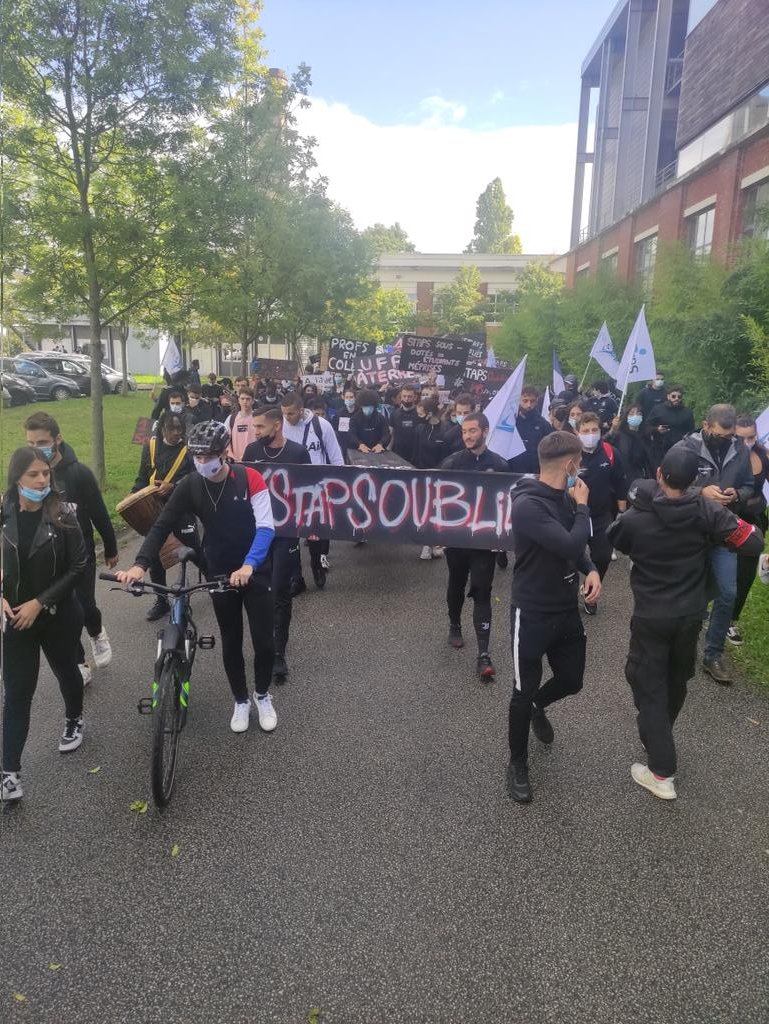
[485, 669]
[72, 736]
[717, 669]
[518, 785]
[590, 609]
[319, 575]
[298, 586]
[734, 636]
[279, 668]
[160, 608]
[502, 560]
[541, 726]
[456, 640]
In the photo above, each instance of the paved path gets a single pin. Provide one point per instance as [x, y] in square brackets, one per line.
[365, 859]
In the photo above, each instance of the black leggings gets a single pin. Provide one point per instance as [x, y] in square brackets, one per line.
[85, 591]
[256, 601]
[479, 566]
[600, 548]
[57, 636]
[285, 551]
[747, 567]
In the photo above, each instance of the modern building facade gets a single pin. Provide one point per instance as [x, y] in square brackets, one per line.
[711, 193]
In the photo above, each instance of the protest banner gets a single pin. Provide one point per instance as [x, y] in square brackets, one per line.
[319, 380]
[446, 357]
[343, 353]
[483, 382]
[142, 430]
[276, 369]
[372, 371]
[400, 506]
[477, 354]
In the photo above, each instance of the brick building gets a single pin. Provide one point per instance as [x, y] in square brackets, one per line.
[710, 195]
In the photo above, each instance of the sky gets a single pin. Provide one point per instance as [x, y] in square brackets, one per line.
[418, 104]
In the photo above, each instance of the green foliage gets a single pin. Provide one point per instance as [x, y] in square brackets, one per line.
[494, 222]
[538, 279]
[458, 307]
[385, 240]
[376, 316]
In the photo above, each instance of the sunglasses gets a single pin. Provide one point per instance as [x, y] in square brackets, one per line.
[675, 395]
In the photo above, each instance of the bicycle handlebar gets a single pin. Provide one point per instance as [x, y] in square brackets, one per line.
[219, 584]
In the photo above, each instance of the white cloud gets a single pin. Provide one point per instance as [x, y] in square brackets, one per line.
[428, 175]
[496, 97]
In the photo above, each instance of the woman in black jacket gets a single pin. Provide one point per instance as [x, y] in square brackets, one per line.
[369, 430]
[43, 558]
[433, 445]
[632, 444]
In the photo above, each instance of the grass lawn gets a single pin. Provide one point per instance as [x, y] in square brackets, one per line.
[754, 626]
[74, 419]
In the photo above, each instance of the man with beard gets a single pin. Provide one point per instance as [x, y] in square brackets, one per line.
[724, 475]
[531, 428]
[669, 422]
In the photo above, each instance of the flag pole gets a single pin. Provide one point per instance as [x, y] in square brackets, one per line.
[584, 375]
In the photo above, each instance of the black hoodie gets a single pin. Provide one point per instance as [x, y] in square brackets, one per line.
[78, 487]
[550, 537]
[669, 540]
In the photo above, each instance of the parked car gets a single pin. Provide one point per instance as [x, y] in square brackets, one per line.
[45, 385]
[20, 391]
[78, 369]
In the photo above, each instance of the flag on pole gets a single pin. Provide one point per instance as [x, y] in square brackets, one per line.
[546, 400]
[638, 358]
[558, 384]
[501, 411]
[603, 352]
[170, 360]
[491, 359]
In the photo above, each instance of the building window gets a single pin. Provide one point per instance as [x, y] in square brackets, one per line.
[645, 258]
[755, 211]
[583, 272]
[609, 264]
[699, 229]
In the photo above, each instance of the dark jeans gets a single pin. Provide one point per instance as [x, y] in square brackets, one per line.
[723, 568]
[660, 662]
[256, 601]
[317, 548]
[285, 551]
[57, 636]
[561, 639]
[85, 592]
[747, 567]
[600, 548]
[479, 566]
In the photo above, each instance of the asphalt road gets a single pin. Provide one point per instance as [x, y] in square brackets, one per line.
[365, 861]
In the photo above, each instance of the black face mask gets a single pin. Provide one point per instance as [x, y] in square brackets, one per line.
[719, 446]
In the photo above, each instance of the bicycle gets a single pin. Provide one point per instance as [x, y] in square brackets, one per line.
[178, 642]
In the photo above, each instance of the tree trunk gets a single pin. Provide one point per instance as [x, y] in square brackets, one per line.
[98, 462]
[124, 358]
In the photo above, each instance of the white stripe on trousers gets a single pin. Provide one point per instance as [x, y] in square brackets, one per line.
[516, 639]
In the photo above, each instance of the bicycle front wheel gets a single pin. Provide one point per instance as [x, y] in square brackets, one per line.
[167, 730]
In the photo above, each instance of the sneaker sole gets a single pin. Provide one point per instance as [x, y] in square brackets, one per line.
[68, 748]
[102, 662]
[735, 643]
[721, 682]
[649, 787]
[238, 731]
[12, 798]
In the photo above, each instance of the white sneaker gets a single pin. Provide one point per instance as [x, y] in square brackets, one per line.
[663, 788]
[324, 562]
[86, 673]
[437, 551]
[72, 736]
[102, 649]
[763, 568]
[614, 556]
[10, 787]
[267, 717]
[426, 553]
[240, 717]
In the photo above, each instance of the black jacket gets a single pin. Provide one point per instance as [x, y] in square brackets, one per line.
[433, 444]
[635, 452]
[605, 408]
[734, 470]
[604, 473]
[669, 540]
[532, 428]
[165, 456]
[647, 398]
[77, 486]
[486, 462]
[550, 535]
[678, 418]
[57, 557]
[369, 430]
[404, 423]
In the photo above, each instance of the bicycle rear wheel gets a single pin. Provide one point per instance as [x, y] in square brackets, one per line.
[167, 730]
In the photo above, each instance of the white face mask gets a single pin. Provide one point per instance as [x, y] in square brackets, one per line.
[208, 469]
[590, 441]
[175, 406]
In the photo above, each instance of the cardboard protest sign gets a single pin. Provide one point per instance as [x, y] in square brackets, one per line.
[142, 430]
[446, 357]
[401, 506]
[318, 379]
[483, 382]
[276, 369]
[476, 350]
[372, 371]
[343, 353]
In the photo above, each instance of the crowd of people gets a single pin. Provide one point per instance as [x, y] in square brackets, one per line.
[686, 506]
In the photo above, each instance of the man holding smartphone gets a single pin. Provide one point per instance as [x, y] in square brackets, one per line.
[551, 532]
[724, 475]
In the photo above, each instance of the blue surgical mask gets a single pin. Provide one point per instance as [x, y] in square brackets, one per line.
[460, 418]
[49, 450]
[573, 423]
[349, 404]
[367, 410]
[634, 421]
[454, 418]
[571, 481]
[338, 378]
[32, 495]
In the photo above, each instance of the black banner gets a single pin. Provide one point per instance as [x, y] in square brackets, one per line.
[476, 352]
[344, 352]
[276, 369]
[409, 506]
[445, 356]
[483, 382]
[372, 371]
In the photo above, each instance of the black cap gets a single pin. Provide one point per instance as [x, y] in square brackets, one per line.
[570, 378]
[679, 468]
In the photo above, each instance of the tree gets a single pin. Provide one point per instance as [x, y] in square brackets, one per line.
[386, 240]
[494, 222]
[105, 83]
[458, 307]
[377, 316]
[538, 279]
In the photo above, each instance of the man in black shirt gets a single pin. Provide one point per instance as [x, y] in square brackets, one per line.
[404, 422]
[603, 404]
[531, 429]
[668, 423]
[271, 448]
[570, 393]
[478, 564]
[212, 391]
[668, 533]
[551, 532]
[199, 409]
[652, 394]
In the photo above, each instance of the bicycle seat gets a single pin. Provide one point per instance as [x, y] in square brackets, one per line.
[184, 555]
